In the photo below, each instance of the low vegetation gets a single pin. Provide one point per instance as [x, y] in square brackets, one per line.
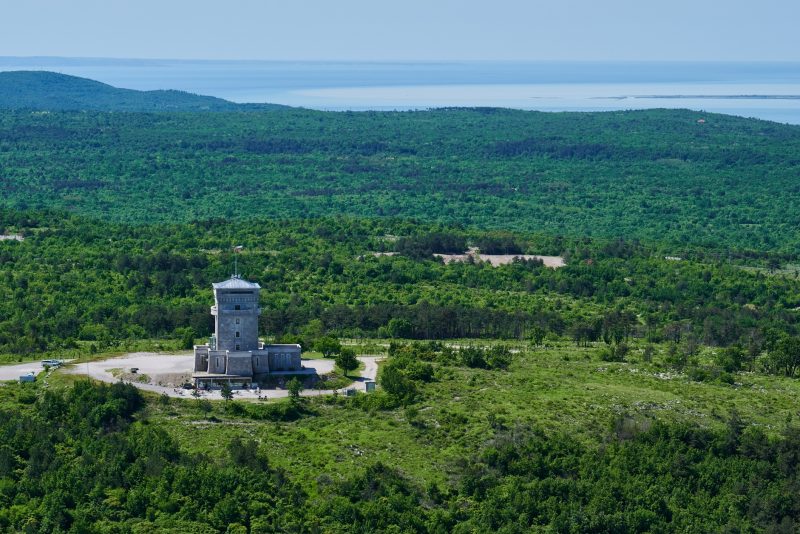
[556, 439]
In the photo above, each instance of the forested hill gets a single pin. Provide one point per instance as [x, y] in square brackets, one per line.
[50, 91]
[674, 176]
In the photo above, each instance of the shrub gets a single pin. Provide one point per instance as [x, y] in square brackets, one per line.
[472, 357]
[328, 346]
[614, 353]
[498, 357]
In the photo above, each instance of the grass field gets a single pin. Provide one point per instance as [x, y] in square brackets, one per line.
[560, 389]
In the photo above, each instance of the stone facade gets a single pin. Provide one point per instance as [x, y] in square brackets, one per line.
[235, 354]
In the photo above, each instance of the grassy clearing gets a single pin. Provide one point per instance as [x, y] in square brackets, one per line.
[790, 270]
[367, 346]
[335, 380]
[560, 389]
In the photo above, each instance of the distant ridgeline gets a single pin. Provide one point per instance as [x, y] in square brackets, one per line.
[50, 91]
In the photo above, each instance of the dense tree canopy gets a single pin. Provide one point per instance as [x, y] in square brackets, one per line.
[657, 175]
[81, 283]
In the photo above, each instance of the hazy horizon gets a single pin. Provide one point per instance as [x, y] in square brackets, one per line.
[767, 90]
[416, 30]
[400, 60]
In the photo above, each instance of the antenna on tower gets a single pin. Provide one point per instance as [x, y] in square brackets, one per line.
[236, 250]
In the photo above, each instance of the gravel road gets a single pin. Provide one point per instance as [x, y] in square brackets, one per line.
[163, 373]
[13, 372]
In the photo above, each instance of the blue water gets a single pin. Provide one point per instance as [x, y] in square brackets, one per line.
[764, 90]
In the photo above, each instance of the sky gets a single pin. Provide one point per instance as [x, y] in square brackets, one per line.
[393, 30]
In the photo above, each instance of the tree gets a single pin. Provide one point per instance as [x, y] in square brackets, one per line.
[647, 354]
[187, 337]
[773, 264]
[614, 353]
[295, 387]
[582, 333]
[537, 335]
[328, 346]
[395, 383]
[731, 358]
[472, 357]
[400, 328]
[785, 357]
[346, 360]
[226, 391]
[244, 452]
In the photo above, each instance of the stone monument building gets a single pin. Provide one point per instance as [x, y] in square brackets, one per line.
[234, 353]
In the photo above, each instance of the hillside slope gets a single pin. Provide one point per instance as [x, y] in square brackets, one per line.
[657, 175]
[41, 90]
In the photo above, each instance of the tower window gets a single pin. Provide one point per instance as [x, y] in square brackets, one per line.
[237, 320]
[237, 347]
[237, 334]
[237, 307]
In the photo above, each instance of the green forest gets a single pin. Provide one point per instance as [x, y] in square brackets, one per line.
[98, 458]
[648, 385]
[658, 175]
[74, 280]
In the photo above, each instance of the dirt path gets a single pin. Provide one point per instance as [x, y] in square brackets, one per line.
[164, 373]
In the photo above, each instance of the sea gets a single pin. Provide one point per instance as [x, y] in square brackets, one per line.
[764, 90]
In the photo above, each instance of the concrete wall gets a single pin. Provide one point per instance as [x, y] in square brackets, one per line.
[247, 364]
[217, 362]
[261, 362]
[229, 320]
[200, 358]
[284, 357]
[240, 363]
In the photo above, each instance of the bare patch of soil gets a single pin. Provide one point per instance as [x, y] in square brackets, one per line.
[554, 262]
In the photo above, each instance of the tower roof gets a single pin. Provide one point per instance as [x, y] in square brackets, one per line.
[235, 282]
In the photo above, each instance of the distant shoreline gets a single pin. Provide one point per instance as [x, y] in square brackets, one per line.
[710, 97]
[764, 90]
